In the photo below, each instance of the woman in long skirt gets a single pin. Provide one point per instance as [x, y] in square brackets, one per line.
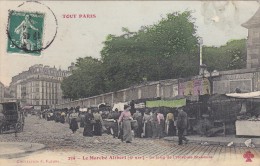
[88, 124]
[115, 128]
[126, 118]
[73, 121]
[154, 124]
[160, 124]
[147, 124]
[170, 129]
[98, 123]
[97, 128]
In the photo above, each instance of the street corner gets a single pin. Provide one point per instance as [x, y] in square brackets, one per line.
[18, 149]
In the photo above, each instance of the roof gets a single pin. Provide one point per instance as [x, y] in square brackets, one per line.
[253, 21]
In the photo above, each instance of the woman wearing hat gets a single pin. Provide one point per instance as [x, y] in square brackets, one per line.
[126, 119]
[73, 121]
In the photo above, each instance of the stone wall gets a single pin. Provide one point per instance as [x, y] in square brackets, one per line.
[247, 80]
[229, 82]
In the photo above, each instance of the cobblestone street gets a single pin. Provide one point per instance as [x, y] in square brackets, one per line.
[58, 138]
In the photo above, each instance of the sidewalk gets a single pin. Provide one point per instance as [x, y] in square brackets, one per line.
[239, 142]
[18, 149]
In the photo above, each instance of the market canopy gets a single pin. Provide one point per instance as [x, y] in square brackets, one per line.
[166, 103]
[140, 105]
[119, 106]
[83, 109]
[254, 95]
[27, 107]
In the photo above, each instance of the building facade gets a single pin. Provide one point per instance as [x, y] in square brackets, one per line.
[40, 86]
[253, 41]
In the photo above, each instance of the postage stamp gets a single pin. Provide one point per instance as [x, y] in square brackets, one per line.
[25, 32]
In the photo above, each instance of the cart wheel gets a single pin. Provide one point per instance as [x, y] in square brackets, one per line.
[18, 127]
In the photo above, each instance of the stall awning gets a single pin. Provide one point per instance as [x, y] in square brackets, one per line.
[119, 106]
[140, 105]
[83, 109]
[27, 107]
[253, 95]
[166, 103]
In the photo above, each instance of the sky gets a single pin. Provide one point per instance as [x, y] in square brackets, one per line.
[217, 23]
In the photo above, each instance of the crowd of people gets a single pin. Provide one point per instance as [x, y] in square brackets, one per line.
[124, 125]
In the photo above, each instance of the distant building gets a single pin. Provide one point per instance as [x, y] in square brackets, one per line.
[2, 91]
[71, 68]
[39, 86]
[8, 97]
[253, 41]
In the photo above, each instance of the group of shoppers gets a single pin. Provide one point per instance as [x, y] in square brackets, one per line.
[149, 124]
[91, 121]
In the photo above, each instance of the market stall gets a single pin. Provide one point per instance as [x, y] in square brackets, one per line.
[248, 128]
[248, 120]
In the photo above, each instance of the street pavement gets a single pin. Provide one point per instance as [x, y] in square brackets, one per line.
[62, 147]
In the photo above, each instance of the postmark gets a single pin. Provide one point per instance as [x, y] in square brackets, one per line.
[31, 28]
[25, 32]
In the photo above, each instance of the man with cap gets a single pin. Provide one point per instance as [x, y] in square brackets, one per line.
[182, 125]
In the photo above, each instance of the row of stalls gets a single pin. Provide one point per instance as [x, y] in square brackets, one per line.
[213, 115]
[225, 114]
[209, 115]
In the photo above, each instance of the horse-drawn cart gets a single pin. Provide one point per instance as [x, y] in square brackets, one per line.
[12, 118]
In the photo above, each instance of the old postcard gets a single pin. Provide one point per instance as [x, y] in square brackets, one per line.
[129, 83]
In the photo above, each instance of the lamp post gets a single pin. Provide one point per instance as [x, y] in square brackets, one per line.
[201, 67]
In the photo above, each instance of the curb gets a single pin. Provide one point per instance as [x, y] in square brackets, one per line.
[223, 143]
[27, 147]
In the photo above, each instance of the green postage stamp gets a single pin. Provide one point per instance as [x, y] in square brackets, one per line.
[25, 32]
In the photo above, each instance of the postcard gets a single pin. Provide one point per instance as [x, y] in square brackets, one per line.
[129, 83]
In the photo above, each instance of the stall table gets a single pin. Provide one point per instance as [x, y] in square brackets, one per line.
[247, 128]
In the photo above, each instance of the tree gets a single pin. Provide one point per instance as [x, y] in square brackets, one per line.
[85, 81]
[167, 49]
[227, 57]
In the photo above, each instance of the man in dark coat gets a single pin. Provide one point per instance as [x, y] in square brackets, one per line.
[182, 125]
